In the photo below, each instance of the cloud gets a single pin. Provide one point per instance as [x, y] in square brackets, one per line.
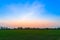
[25, 11]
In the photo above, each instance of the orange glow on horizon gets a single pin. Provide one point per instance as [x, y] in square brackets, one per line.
[30, 23]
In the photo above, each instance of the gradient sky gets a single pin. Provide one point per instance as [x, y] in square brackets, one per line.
[30, 13]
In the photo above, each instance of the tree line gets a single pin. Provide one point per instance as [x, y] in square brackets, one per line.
[20, 28]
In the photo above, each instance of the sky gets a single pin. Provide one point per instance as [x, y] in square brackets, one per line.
[30, 13]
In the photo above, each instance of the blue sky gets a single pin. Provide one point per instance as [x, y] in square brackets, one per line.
[53, 6]
[30, 10]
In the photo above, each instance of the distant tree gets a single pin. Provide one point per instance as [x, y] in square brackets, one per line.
[19, 28]
[27, 28]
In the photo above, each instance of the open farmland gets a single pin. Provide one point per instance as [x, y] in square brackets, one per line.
[29, 34]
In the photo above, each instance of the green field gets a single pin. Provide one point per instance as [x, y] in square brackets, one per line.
[29, 34]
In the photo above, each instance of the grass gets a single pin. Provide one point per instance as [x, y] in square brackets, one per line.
[29, 34]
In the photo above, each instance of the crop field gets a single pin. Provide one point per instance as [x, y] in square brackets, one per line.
[29, 34]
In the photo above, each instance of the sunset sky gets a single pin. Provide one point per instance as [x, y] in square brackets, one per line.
[30, 13]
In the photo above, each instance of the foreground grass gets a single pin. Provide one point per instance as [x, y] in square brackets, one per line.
[29, 34]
